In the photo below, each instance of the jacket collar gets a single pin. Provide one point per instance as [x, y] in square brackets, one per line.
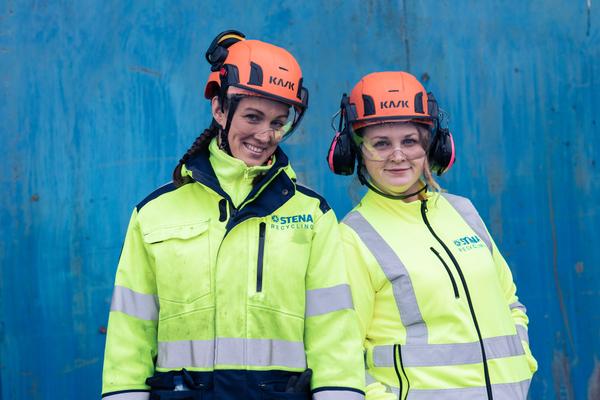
[274, 188]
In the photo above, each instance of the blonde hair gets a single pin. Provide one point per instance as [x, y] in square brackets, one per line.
[425, 137]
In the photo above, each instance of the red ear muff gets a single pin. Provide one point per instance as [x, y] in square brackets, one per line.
[331, 151]
[442, 153]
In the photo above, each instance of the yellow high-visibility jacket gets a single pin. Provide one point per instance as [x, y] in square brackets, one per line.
[242, 295]
[436, 302]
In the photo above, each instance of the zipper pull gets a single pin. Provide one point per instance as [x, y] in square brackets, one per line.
[222, 210]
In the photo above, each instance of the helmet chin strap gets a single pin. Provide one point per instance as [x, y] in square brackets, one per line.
[224, 132]
[363, 179]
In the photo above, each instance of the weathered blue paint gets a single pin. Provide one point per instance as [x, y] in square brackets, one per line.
[98, 100]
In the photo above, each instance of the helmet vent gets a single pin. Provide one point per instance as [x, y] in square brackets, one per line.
[393, 90]
[256, 75]
[284, 69]
[369, 104]
[419, 103]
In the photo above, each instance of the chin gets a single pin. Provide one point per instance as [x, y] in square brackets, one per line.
[398, 186]
[253, 162]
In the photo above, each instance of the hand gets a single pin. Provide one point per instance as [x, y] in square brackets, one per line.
[376, 391]
[299, 383]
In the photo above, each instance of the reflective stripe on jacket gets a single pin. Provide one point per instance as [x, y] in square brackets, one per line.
[208, 287]
[435, 298]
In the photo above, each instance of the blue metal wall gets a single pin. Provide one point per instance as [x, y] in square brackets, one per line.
[98, 100]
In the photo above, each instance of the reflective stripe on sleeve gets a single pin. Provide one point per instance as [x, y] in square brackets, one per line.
[338, 395]
[127, 396]
[396, 273]
[231, 351]
[500, 391]
[518, 305]
[522, 333]
[468, 212]
[435, 355]
[326, 300]
[130, 302]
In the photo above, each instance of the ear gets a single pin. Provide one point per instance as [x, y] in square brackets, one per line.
[218, 115]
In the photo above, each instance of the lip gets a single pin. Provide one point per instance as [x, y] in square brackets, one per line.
[397, 171]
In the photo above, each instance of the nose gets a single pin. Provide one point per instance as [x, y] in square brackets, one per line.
[397, 155]
[265, 135]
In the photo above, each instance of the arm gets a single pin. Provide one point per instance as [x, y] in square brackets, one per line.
[132, 324]
[517, 309]
[362, 267]
[332, 340]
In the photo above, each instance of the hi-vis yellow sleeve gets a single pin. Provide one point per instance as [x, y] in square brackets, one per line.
[132, 325]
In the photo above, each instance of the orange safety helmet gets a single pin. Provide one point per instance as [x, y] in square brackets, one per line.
[389, 96]
[258, 67]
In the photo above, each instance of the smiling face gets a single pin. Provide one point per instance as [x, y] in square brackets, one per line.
[256, 128]
[394, 156]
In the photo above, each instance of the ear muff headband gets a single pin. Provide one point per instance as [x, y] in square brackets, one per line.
[217, 51]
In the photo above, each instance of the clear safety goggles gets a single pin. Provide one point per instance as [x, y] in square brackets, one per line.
[384, 149]
[280, 128]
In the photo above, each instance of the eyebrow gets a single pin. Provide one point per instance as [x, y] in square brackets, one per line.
[404, 137]
[256, 110]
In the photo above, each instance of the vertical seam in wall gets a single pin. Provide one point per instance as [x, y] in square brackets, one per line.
[405, 35]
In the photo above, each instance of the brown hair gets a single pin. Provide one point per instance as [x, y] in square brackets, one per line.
[200, 144]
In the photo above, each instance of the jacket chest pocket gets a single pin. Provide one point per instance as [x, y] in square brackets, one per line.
[182, 259]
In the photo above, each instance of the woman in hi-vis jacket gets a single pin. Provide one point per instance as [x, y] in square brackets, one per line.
[436, 301]
[230, 284]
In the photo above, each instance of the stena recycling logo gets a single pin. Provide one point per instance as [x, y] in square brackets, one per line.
[300, 221]
[468, 243]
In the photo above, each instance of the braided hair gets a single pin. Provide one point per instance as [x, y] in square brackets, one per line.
[200, 145]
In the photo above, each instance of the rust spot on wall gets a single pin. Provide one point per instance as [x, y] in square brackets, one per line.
[579, 267]
[35, 197]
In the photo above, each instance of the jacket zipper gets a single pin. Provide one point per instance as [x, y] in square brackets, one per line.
[454, 286]
[261, 251]
[398, 352]
[486, 372]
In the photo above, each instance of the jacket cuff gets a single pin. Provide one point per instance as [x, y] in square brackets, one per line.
[337, 393]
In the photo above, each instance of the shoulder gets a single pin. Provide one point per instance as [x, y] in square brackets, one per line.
[461, 204]
[465, 208]
[306, 191]
[166, 188]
